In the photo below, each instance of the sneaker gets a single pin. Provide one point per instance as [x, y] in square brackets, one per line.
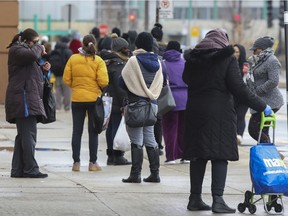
[170, 162]
[182, 161]
[94, 167]
[76, 167]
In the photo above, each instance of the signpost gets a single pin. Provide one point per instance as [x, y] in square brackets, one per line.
[166, 9]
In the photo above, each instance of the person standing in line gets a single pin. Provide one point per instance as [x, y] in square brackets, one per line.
[265, 69]
[86, 74]
[240, 108]
[23, 104]
[58, 59]
[115, 61]
[142, 78]
[157, 33]
[173, 121]
[212, 74]
[75, 43]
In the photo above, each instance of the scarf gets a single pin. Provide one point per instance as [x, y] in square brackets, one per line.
[135, 82]
[256, 60]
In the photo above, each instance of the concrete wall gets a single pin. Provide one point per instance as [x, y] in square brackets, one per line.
[8, 28]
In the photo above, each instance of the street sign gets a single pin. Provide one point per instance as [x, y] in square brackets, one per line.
[166, 9]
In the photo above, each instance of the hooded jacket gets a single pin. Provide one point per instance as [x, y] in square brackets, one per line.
[25, 83]
[213, 78]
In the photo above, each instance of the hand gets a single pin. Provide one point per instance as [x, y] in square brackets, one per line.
[268, 111]
[46, 66]
[246, 68]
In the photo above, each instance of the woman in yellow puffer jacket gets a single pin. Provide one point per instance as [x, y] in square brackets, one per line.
[86, 74]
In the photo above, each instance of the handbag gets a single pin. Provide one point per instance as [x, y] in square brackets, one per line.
[140, 114]
[102, 112]
[49, 102]
[268, 171]
[121, 140]
[165, 101]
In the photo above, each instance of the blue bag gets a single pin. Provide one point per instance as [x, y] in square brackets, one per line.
[268, 171]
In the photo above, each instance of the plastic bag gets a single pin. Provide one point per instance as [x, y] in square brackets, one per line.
[121, 140]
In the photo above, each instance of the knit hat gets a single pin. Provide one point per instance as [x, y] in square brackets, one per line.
[263, 43]
[157, 31]
[144, 41]
[117, 31]
[118, 43]
[174, 45]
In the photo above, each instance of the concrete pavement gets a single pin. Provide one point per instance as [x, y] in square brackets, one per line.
[102, 193]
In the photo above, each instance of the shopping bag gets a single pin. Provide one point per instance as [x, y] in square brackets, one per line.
[121, 140]
[268, 171]
[49, 102]
[102, 113]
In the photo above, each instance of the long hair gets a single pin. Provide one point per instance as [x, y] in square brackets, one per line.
[90, 45]
[27, 35]
[242, 57]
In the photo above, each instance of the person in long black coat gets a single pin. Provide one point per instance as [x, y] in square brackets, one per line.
[213, 78]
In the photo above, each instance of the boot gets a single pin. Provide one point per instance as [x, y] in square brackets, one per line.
[219, 206]
[119, 158]
[153, 157]
[196, 203]
[137, 160]
[110, 159]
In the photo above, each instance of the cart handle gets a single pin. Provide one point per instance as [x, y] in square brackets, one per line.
[268, 121]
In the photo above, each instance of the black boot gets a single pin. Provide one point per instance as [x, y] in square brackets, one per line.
[196, 203]
[119, 158]
[137, 160]
[110, 159]
[219, 206]
[153, 157]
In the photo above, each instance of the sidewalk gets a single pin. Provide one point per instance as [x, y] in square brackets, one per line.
[102, 193]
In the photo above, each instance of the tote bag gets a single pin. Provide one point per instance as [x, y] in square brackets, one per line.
[121, 140]
[49, 102]
[165, 101]
[268, 172]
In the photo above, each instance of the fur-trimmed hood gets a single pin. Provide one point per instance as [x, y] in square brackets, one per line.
[206, 56]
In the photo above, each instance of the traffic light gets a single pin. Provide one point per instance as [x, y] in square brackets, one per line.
[281, 14]
[132, 17]
[269, 14]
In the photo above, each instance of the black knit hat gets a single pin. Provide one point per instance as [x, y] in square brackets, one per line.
[174, 45]
[263, 43]
[145, 41]
[157, 31]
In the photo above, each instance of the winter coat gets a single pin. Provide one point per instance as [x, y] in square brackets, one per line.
[25, 83]
[115, 65]
[86, 77]
[174, 65]
[213, 78]
[266, 79]
[75, 45]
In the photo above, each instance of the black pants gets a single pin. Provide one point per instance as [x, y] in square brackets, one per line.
[79, 111]
[158, 133]
[23, 160]
[197, 172]
[241, 111]
[254, 128]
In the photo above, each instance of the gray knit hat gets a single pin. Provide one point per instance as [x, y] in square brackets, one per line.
[118, 43]
[263, 43]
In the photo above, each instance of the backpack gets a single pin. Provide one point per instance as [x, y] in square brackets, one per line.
[58, 61]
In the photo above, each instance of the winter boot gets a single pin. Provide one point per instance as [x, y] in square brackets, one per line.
[153, 157]
[110, 159]
[137, 160]
[119, 158]
[219, 205]
[196, 203]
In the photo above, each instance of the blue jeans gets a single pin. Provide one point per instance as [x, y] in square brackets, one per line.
[79, 110]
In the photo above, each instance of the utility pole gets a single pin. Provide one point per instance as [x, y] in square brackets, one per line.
[286, 47]
[146, 21]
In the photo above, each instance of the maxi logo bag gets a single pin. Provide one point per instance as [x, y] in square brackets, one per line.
[268, 172]
[140, 114]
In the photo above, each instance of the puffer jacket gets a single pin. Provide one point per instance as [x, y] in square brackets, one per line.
[25, 83]
[86, 77]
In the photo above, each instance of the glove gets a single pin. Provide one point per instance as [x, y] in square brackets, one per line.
[268, 110]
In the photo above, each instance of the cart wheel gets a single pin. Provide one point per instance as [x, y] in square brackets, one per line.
[278, 208]
[248, 195]
[252, 209]
[241, 207]
[269, 207]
